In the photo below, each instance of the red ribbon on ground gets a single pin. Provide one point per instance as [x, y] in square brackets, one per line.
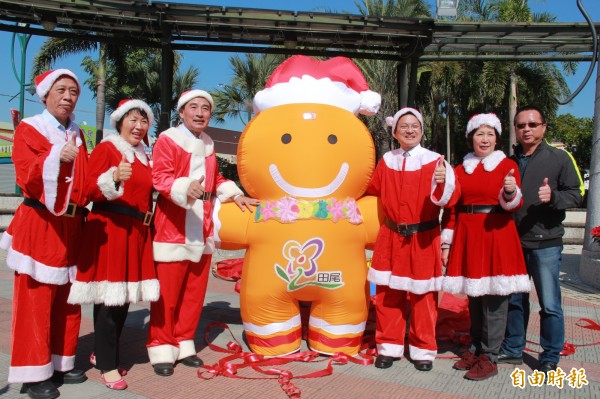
[229, 365]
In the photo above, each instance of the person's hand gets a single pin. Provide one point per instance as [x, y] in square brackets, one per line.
[195, 189]
[123, 171]
[445, 252]
[242, 201]
[440, 171]
[545, 193]
[69, 151]
[510, 183]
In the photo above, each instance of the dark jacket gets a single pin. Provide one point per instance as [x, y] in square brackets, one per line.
[540, 225]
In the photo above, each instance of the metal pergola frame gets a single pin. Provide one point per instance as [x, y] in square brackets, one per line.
[173, 26]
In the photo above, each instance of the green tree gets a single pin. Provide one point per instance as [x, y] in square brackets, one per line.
[250, 73]
[382, 75]
[576, 134]
[55, 48]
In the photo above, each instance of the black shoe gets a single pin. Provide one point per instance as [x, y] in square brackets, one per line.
[74, 376]
[547, 366]
[503, 358]
[40, 390]
[191, 361]
[384, 362]
[423, 365]
[163, 369]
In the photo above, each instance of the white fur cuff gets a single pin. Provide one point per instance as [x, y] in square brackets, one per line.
[179, 191]
[106, 184]
[228, 190]
[513, 203]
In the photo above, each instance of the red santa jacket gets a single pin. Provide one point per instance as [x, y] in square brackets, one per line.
[183, 226]
[41, 243]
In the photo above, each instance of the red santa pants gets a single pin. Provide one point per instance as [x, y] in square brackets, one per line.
[174, 317]
[393, 307]
[45, 330]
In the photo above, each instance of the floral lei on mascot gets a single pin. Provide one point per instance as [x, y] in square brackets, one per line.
[308, 158]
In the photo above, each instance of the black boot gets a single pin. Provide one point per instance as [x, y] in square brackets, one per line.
[40, 390]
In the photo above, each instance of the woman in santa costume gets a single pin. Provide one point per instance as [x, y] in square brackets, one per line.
[485, 261]
[44, 238]
[413, 184]
[186, 175]
[116, 266]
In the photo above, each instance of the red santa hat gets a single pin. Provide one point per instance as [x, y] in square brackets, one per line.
[337, 81]
[393, 120]
[44, 82]
[189, 95]
[478, 120]
[127, 105]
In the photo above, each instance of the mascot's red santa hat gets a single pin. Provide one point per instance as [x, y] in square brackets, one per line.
[337, 81]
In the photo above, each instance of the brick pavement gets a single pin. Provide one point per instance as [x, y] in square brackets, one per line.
[347, 381]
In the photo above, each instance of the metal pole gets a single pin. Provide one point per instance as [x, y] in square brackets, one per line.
[589, 266]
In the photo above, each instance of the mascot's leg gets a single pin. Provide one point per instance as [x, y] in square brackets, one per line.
[338, 320]
[271, 317]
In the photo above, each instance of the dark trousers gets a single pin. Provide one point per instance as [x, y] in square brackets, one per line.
[108, 325]
[488, 323]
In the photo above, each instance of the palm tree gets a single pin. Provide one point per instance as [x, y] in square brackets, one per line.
[55, 48]
[250, 74]
[516, 82]
[382, 75]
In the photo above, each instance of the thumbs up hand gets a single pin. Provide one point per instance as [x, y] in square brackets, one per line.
[195, 190]
[69, 151]
[440, 171]
[545, 192]
[510, 183]
[123, 171]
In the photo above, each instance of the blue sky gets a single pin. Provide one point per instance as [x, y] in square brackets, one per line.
[214, 67]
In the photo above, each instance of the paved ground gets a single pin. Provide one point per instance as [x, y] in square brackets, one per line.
[347, 381]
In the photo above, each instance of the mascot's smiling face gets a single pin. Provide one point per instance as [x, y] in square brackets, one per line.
[308, 151]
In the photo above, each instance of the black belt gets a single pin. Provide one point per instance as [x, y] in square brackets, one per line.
[408, 230]
[479, 209]
[72, 208]
[145, 217]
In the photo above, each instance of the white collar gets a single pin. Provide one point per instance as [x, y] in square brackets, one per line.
[127, 149]
[470, 161]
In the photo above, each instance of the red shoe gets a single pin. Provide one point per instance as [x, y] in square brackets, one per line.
[467, 360]
[118, 385]
[483, 369]
[122, 371]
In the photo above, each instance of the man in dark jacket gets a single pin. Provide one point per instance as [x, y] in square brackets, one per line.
[550, 183]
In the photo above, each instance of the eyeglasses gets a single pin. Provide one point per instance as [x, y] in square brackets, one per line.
[531, 125]
[405, 128]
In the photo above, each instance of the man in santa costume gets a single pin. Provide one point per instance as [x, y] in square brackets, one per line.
[413, 183]
[50, 161]
[185, 173]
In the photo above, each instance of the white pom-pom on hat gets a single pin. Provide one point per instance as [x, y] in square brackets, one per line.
[189, 95]
[478, 120]
[402, 112]
[44, 82]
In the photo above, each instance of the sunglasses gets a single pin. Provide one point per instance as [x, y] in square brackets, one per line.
[531, 125]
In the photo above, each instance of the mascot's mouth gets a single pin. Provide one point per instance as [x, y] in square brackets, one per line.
[316, 192]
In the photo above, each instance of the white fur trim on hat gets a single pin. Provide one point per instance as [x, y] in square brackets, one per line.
[189, 95]
[478, 120]
[317, 91]
[44, 82]
[393, 121]
[127, 106]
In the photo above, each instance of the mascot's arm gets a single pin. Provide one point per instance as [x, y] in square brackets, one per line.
[372, 213]
[231, 226]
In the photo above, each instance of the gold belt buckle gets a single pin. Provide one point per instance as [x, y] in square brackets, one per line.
[73, 210]
[148, 218]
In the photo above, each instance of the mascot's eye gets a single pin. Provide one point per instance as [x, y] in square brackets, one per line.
[286, 138]
[332, 138]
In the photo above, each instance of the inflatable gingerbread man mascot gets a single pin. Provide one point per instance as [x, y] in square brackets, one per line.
[309, 159]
